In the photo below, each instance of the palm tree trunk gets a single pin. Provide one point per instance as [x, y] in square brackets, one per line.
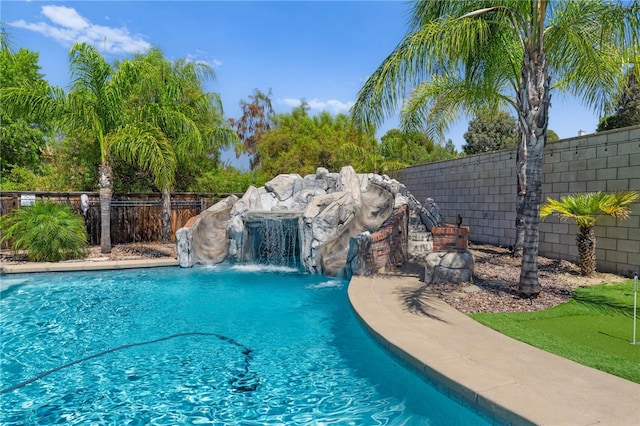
[521, 191]
[586, 241]
[105, 207]
[529, 285]
[533, 113]
[166, 215]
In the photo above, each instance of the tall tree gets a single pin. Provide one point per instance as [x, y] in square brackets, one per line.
[22, 137]
[257, 119]
[413, 148]
[300, 143]
[95, 108]
[468, 57]
[491, 132]
[179, 120]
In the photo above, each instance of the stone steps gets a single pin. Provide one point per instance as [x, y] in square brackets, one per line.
[420, 240]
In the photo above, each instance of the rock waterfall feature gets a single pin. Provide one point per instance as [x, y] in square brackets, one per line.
[336, 224]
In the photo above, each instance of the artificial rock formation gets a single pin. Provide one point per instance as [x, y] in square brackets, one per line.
[330, 223]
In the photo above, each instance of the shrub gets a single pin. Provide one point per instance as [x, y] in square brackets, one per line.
[46, 231]
[226, 180]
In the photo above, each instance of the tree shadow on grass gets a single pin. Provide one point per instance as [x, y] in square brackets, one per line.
[602, 304]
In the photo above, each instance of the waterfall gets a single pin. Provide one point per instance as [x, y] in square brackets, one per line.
[272, 239]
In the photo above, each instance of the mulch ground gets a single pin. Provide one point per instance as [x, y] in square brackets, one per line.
[118, 252]
[495, 282]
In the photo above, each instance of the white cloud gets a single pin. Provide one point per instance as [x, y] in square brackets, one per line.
[332, 105]
[202, 57]
[66, 27]
[65, 16]
[289, 102]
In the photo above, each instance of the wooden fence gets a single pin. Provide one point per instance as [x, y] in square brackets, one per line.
[134, 217]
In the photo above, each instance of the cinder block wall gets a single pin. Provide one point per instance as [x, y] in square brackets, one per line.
[482, 189]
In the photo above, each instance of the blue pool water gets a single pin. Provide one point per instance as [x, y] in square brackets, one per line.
[225, 345]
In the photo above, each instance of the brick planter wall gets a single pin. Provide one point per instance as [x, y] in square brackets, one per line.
[388, 248]
[384, 250]
[450, 238]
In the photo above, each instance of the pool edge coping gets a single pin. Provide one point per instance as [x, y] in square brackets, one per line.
[8, 268]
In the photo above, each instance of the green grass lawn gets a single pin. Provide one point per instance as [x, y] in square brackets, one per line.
[595, 329]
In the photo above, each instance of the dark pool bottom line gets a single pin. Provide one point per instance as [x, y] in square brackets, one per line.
[243, 382]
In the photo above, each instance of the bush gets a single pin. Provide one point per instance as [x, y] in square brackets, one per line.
[46, 231]
[226, 180]
[19, 179]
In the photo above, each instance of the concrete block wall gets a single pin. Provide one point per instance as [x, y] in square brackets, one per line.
[482, 189]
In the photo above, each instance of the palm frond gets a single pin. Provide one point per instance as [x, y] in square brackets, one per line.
[585, 209]
[147, 147]
[434, 105]
[617, 204]
[441, 58]
[588, 44]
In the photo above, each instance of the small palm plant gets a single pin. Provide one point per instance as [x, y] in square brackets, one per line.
[585, 209]
[46, 231]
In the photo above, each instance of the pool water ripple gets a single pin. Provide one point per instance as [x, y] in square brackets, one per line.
[216, 345]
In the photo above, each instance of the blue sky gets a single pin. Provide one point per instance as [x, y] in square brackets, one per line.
[320, 51]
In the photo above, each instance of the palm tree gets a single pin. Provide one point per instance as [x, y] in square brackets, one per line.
[181, 120]
[468, 57]
[94, 108]
[146, 111]
[586, 209]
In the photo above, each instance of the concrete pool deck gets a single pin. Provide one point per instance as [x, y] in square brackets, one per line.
[508, 379]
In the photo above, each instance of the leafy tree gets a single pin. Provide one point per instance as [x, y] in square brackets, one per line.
[46, 231]
[23, 136]
[300, 143]
[450, 148]
[628, 109]
[226, 180]
[71, 164]
[585, 209]
[491, 132]
[22, 179]
[413, 148]
[410, 148]
[552, 136]
[257, 119]
[468, 57]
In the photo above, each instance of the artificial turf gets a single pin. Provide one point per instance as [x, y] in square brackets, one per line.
[595, 329]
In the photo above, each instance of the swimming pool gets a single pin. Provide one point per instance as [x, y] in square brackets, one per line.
[225, 345]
